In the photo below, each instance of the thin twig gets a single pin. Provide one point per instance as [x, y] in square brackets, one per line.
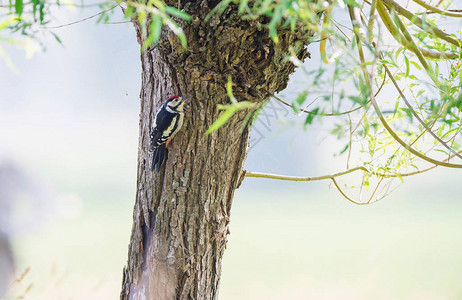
[345, 195]
[20, 277]
[414, 113]
[324, 115]
[82, 20]
[322, 44]
[350, 142]
[375, 190]
[115, 23]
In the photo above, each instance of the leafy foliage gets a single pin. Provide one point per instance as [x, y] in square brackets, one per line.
[29, 20]
[393, 82]
[152, 16]
[230, 109]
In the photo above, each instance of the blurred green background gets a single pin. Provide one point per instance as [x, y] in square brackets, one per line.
[69, 122]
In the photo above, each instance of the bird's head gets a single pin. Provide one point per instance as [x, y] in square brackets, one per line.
[176, 103]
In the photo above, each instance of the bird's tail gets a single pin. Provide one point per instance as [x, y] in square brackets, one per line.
[160, 155]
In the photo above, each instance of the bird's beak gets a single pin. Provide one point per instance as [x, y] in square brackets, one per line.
[186, 99]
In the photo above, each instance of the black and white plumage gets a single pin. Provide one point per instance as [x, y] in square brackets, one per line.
[168, 121]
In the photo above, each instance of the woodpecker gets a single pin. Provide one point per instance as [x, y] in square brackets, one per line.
[168, 121]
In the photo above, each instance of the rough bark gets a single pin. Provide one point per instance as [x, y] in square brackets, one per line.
[182, 213]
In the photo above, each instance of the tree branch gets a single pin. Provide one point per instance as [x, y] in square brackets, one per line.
[296, 178]
[366, 75]
[409, 44]
[331, 114]
[417, 116]
[431, 12]
[345, 195]
[390, 4]
[437, 10]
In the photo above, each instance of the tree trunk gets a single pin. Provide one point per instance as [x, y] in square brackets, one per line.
[181, 215]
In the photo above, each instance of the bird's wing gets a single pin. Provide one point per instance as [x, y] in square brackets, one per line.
[162, 121]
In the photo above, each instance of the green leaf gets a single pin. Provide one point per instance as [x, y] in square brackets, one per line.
[237, 105]
[295, 107]
[366, 182]
[218, 9]
[419, 93]
[7, 60]
[309, 119]
[229, 90]
[19, 6]
[293, 23]
[242, 6]
[222, 119]
[407, 65]
[275, 21]
[154, 36]
[450, 132]
[351, 3]
[41, 13]
[34, 9]
[388, 62]
[301, 98]
[157, 3]
[178, 31]
[298, 102]
[396, 108]
[416, 65]
[248, 119]
[182, 37]
[8, 22]
[178, 13]
[229, 111]
[129, 12]
[274, 34]
[400, 49]
[399, 176]
[345, 148]
[56, 37]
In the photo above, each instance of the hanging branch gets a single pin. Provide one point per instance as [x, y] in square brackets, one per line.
[431, 12]
[323, 115]
[370, 24]
[366, 75]
[419, 22]
[389, 12]
[414, 113]
[437, 10]
[322, 44]
[346, 196]
[331, 114]
[409, 44]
